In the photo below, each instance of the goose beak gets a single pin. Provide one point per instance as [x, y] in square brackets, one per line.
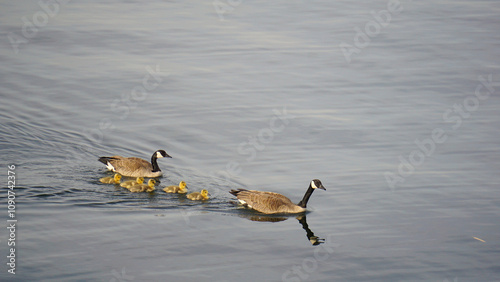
[168, 156]
[322, 187]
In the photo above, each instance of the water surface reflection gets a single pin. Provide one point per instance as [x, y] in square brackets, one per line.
[315, 240]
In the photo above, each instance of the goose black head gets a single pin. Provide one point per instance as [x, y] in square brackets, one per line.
[316, 183]
[162, 154]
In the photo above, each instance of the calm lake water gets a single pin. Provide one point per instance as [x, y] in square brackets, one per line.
[393, 105]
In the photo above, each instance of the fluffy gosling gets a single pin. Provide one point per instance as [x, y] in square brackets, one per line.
[111, 180]
[130, 183]
[150, 187]
[181, 189]
[197, 196]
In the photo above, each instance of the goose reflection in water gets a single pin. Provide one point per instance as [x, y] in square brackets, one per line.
[315, 240]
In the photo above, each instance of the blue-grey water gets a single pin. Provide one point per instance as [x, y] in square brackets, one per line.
[394, 105]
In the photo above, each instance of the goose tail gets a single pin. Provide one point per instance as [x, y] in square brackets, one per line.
[105, 160]
[235, 192]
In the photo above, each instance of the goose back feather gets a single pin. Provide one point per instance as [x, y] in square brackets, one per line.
[266, 202]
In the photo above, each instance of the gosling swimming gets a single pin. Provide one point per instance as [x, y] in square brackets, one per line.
[130, 183]
[150, 187]
[111, 180]
[181, 189]
[198, 196]
[269, 202]
[135, 167]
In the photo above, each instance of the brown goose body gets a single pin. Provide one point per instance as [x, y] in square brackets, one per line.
[270, 202]
[266, 202]
[135, 167]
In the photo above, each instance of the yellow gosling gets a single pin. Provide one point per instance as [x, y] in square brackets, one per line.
[150, 187]
[181, 189]
[111, 180]
[130, 183]
[197, 196]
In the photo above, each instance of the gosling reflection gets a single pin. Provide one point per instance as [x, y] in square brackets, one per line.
[315, 240]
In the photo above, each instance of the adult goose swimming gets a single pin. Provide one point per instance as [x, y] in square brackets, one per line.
[269, 202]
[135, 167]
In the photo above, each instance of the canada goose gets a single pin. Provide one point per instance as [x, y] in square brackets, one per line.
[269, 202]
[181, 189]
[111, 180]
[130, 183]
[135, 167]
[150, 187]
[196, 196]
